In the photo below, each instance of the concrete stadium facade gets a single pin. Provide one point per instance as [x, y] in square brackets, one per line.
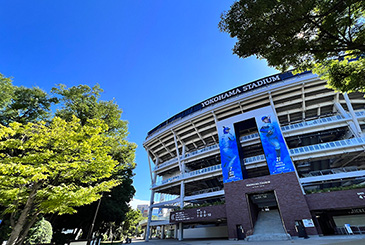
[323, 194]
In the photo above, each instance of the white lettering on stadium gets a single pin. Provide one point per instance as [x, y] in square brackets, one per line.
[260, 83]
[221, 97]
[236, 91]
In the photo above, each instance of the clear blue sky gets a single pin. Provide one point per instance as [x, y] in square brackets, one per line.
[156, 58]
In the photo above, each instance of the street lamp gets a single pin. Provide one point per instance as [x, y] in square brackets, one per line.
[89, 235]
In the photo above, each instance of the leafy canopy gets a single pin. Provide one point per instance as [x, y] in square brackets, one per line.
[84, 102]
[306, 34]
[58, 165]
[64, 160]
[6, 90]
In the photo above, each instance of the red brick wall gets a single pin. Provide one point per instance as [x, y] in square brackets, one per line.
[336, 200]
[291, 201]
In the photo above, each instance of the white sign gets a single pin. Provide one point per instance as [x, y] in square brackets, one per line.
[308, 223]
[361, 195]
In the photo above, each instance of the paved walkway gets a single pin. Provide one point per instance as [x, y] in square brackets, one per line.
[335, 240]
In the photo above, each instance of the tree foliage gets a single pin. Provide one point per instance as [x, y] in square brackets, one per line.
[52, 168]
[131, 222]
[40, 233]
[85, 103]
[59, 163]
[305, 34]
[27, 105]
[6, 90]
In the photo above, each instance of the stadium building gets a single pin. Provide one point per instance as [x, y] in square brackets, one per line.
[278, 157]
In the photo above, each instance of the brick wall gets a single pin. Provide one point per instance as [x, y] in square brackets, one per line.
[291, 202]
[336, 199]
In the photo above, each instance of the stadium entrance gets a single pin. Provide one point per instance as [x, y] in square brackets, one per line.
[265, 214]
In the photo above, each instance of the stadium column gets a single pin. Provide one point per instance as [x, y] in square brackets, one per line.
[181, 167]
[150, 208]
[182, 185]
[353, 116]
[182, 195]
[215, 118]
[303, 101]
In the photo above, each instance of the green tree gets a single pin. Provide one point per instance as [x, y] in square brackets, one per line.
[131, 222]
[27, 105]
[306, 34]
[41, 232]
[6, 90]
[85, 103]
[52, 168]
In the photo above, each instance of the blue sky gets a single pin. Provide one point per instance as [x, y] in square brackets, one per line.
[155, 58]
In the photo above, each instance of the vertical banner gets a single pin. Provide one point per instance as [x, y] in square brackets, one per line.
[276, 151]
[230, 160]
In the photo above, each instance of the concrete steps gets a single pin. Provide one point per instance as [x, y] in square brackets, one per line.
[269, 227]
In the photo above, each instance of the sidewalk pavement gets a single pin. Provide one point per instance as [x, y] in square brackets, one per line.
[335, 240]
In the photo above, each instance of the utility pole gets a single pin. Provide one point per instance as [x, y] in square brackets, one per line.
[89, 235]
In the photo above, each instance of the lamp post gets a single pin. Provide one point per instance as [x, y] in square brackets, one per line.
[89, 235]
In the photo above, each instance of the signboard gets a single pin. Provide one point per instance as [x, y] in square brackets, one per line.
[308, 223]
[361, 195]
[199, 214]
[276, 152]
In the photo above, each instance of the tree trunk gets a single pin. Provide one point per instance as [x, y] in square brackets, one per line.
[26, 229]
[16, 233]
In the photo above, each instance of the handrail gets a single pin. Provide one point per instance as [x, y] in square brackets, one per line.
[188, 155]
[319, 121]
[211, 147]
[326, 146]
[189, 174]
[330, 171]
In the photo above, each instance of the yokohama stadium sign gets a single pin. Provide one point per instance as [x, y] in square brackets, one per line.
[228, 94]
[239, 90]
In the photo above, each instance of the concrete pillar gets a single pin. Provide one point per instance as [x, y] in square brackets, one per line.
[150, 209]
[182, 195]
[181, 237]
[162, 232]
[176, 231]
[152, 200]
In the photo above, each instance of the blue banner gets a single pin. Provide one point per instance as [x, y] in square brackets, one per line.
[230, 160]
[276, 152]
[273, 143]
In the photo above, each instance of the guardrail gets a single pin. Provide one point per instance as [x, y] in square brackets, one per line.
[188, 155]
[327, 146]
[211, 147]
[319, 121]
[213, 189]
[360, 113]
[254, 159]
[189, 174]
[330, 171]
[249, 137]
[356, 229]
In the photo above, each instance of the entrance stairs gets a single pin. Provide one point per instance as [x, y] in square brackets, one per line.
[269, 227]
